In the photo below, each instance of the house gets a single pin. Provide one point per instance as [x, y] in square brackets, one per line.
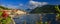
[12, 13]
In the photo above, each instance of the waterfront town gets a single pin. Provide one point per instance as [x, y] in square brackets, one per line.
[29, 11]
[25, 17]
[14, 12]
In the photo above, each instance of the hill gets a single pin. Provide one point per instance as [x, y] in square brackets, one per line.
[1, 7]
[45, 9]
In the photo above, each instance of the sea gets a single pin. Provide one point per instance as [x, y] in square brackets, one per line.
[33, 18]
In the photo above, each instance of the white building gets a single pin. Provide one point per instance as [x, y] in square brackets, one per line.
[18, 12]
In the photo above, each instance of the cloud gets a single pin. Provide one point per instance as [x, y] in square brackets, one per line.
[34, 4]
[20, 4]
[30, 4]
[31, 0]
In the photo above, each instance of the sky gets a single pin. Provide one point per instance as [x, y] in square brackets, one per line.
[27, 4]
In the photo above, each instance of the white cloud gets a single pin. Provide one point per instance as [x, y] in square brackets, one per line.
[33, 4]
[20, 4]
[30, 0]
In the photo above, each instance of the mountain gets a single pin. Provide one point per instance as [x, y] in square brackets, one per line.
[2, 7]
[45, 9]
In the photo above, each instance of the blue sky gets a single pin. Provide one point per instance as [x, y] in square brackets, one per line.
[24, 4]
[50, 1]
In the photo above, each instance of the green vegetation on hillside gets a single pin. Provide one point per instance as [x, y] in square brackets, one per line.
[1, 7]
[45, 9]
[57, 9]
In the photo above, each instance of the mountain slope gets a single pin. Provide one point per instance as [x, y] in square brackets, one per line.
[1, 7]
[45, 9]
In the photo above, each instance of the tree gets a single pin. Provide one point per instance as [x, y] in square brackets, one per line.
[58, 14]
[44, 9]
[1, 7]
